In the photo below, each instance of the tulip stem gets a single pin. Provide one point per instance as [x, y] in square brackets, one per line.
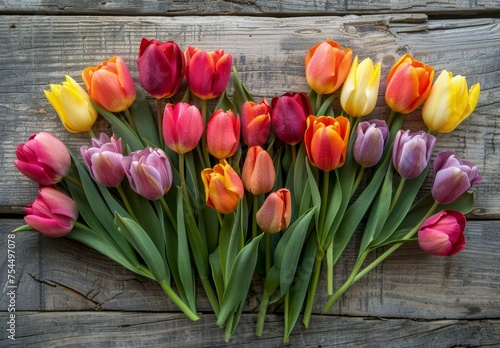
[183, 176]
[130, 120]
[264, 302]
[204, 111]
[397, 194]
[167, 210]
[312, 289]
[269, 251]
[126, 202]
[254, 222]
[391, 118]
[73, 180]
[159, 112]
[91, 133]
[318, 102]
[177, 300]
[359, 176]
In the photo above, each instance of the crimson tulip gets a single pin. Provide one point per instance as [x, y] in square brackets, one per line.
[288, 117]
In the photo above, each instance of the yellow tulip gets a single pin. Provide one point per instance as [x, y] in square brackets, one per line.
[360, 90]
[73, 105]
[449, 102]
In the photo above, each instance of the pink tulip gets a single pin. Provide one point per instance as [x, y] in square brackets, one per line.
[276, 212]
[442, 234]
[182, 127]
[223, 134]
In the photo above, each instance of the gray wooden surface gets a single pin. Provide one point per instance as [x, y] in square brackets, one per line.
[69, 295]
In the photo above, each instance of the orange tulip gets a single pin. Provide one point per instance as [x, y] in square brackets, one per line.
[255, 122]
[258, 171]
[327, 66]
[326, 140]
[223, 187]
[110, 84]
[276, 212]
[408, 84]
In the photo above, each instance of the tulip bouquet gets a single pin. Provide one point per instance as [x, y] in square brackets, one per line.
[218, 188]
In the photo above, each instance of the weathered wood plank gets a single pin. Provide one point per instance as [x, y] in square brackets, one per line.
[119, 329]
[62, 275]
[269, 7]
[269, 54]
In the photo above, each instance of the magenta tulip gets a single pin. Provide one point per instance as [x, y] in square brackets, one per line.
[442, 234]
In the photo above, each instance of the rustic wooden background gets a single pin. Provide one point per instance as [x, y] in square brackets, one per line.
[69, 295]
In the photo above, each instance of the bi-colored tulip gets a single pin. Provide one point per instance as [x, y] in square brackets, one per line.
[408, 84]
[223, 134]
[360, 90]
[255, 122]
[161, 67]
[43, 158]
[72, 105]
[110, 84]
[103, 160]
[288, 116]
[207, 73]
[326, 140]
[327, 66]
[276, 212]
[452, 177]
[371, 139]
[148, 172]
[442, 234]
[223, 187]
[258, 171]
[182, 127]
[449, 102]
[411, 152]
[52, 213]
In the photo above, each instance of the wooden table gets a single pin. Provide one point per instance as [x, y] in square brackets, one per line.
[70, 295]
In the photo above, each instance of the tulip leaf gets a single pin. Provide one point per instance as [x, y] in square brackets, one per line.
[144, 122]
[143, 245]
[217, 275]
[225, 104]
[240, 93]
[316, 196]
[332, 209]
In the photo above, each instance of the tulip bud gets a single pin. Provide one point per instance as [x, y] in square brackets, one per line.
[411, 152]
[52, 213]
[258, 171]
[223, 187]
[288, 117]
[110, 84]
[442, 234]
[103, 160]
[44, 159]
[161, 67]
[223, 134]
[255, 122]
[207, 72]
[327, 66]
[276, 212]
[452, 177]
[148, 172]
[326, 140]
[408, 84]
[182, 127]
[72, 105]
[449, 102]
[360, 90]
[371, 139]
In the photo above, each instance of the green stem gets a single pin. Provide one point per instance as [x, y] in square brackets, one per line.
[329, 268]
[254, 222]
[212, 297]
[177, 300]
[129, 119]
[73, 180]
[91, 133]
[313, 286]
[324, 202]
[359, 176]
[318, 102]
[126, 202]
[391, 118]
[264, 303]
[159, 112]
[294, 154]
[397, 194]
[182, 174]
[167, 210]
[145, 272]
[269, 251]
[204, 111]
[229, 327]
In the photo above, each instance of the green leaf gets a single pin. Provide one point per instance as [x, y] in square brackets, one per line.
[240, 93]
[224, 241]
[217, 276]
[332, 209]
[143, 119]
[225, 104]
[316, 196]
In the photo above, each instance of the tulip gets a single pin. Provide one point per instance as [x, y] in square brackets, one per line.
[161, 67]
[44, 159]
[103, 160]
[110, 84]
[449, 102]
[326, 140]
[288, 117]
[52, 213]
[442, 234]
[411, 152]
[223, 187]
[408, 84]
[258, 171]
[360, 90]
[452, 177]
[182, 127]
[148, 172]
[207, 72]
[327, 66]
[223, 134]
[371, 139]
[276, 212]
[72, 105]
[255, 122]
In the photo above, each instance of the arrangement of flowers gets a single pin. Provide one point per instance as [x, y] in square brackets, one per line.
[217, 188]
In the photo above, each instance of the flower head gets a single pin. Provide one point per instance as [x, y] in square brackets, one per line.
[371, 139]
[223, 134]
[255, 122]
[276, 212]
[258, 171]
[442, 234]
[288, 117]
[182, 127]
[411, 152]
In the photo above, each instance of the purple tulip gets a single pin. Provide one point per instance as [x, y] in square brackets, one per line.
[442, 234]
[371, 139]
[52, 213]
[148, 172]
[44, 159]
[452, 177]
[288, 116]
[411, 152]
[103, 160]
